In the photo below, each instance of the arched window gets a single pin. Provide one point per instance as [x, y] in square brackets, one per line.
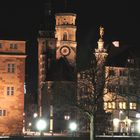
[65, 36]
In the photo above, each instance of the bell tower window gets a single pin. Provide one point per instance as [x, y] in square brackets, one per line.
[65, 37]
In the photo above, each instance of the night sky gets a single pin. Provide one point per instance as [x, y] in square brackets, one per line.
[21, 20]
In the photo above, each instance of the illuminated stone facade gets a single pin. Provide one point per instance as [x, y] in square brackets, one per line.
[12, 79]
[66, 36]
[56, 62]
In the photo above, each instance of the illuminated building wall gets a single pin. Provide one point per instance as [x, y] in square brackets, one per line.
[66, 36]
[56, 60]
[12, 78]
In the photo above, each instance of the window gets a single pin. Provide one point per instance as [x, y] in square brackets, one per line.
[11, 68]
[111, 73]
[65, 36]
[10, 91]
[122, 89]
[105, 105]
[2, 112]
[109, 105]
[13, 46]
[0, 45]
[111, 88]
[122, 105]
[123, 73]
[130, 60]
[132, 105]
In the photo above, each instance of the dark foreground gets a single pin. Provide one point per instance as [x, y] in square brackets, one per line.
[73, 138]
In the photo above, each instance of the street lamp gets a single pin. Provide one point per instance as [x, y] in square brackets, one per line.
[35, 115]
[41, 125]
[73, 127]
[66, 117]
[30, 124]
[116, 124]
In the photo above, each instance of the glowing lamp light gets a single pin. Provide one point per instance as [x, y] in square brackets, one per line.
[138, 125]
[66, 117]
[116, 43]
[129, 121]
[35, 115]
[30, 124]
[73, 126]
[121, 112]
[116, 121]
[138, 115]
[41, 124]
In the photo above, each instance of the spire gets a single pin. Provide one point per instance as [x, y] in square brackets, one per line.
[48, 10]
[49, 19]
[48, 14]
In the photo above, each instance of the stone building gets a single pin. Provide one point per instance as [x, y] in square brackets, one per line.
[12, 79]
[56, 66]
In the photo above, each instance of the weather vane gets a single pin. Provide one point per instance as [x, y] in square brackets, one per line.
[101, 32]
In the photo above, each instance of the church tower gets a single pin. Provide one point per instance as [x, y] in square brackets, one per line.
[66, 37]
[56, 65]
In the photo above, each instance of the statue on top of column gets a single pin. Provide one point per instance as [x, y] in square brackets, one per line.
[101, 32]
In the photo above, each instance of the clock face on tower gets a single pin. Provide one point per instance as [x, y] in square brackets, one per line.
[65, 50]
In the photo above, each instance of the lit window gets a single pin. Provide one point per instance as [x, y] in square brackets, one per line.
[130, 61]
[11, 68]
[105, 105]
[132, 105]
[122, 105]
[109, 105]
[10, 91]
[113, 105]
[2, 112]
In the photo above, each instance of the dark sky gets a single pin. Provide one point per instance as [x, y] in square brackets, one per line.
[21, 20]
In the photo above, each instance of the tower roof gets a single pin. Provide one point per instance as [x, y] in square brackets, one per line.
[65, 14]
